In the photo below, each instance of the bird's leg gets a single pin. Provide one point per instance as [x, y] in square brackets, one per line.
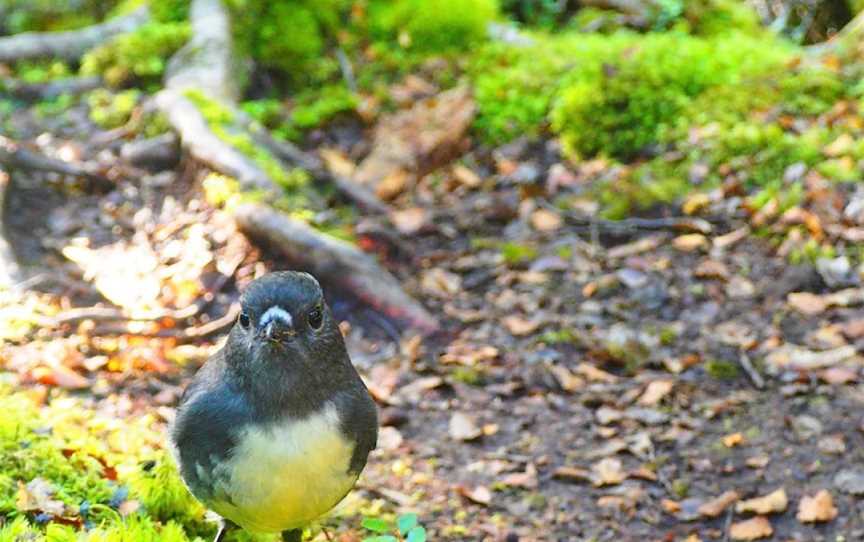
[295, 535]
[224, 527]
[327, 533]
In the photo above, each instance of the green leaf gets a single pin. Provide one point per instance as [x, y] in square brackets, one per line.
[376, 525]
[406, 522]
[381, 538]
[416, 534]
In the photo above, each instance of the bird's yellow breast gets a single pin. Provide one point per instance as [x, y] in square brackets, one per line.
[285, 475]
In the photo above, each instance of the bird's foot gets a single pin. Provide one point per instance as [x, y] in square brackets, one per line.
[294, 535]
[326, 533]
[224, 527]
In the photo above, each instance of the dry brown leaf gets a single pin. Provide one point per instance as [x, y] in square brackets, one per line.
[440, 283]
[695, 203]
[752, 529]
[730, 441]
[478, 494]
[608, 472]
[655, 392]
[690, 242]
[715, 507]
[670, 507]
[711, 269]
[463, 427]
[393, 184]
[731, 238]
[37, 496]
[60, 376]
[594, 374]
[337, 163]
[797, 358]
[519, 326]
[818, 508]
[572, 474]
[410, 221]
[546, 221]
[772, 503]
[527, 479]
[466, 176]
[468, 354]
[807, 303]
[566, 379]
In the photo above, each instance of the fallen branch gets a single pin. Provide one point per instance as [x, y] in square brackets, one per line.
[35, 92]
[752, 373]
[182, 335]
[335, 262]
[14, 156]
[69, 45]
[676, 223]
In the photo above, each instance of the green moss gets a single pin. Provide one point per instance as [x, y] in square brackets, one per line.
[514, 86]
[294, 181]
[40, 71]
[162, 493]
[138, 56]
[721, 369]
[433, 25]
[642, 92]
[468, 375]
[112, 109]
[312, 108]
[517, 254]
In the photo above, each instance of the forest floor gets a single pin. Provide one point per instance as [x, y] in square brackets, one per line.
[592, 381]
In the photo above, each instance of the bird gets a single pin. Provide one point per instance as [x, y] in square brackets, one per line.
[275, 428]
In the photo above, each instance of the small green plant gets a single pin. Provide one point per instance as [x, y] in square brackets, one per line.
[407, 528]
[111, 110]
[517, 254]
[722, 369]
[433, 25]
[138, 56]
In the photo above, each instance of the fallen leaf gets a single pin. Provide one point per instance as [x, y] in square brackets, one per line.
[463, 427]
[440, 283]
[393, 184]
[690, 242]
[478, 494]
[566, 379]
[572, 474]
[818, 508]
[519, 326]
[409, 221]
[717, 506]
[59, 376]
[711, 269]
[466, 176]
[468, 354]
[608, 472]
[797, 358]
[37, 496]
[807, 303]
[670, 507]
[695, 203]
[594, 374]
[730, 441]
[751, 529]
[772, 503]
[655, 392]
[527, 479]
[545, 220]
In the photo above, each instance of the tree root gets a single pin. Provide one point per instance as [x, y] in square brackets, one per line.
[69, 45]
[14, 156]
[35, 92]
[213, 70]
[335, 262]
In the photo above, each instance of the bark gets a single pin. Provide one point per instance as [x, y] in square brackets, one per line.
[47, 91]
[335, 262]
[207, 64]
[846, 42]
[69, 45]
[14, 156]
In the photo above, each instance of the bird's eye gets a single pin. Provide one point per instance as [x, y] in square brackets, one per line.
[244, 320]
[316, 318]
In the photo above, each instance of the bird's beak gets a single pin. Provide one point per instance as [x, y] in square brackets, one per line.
[278, 331]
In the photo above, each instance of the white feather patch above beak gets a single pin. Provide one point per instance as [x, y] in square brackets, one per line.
[275, 313]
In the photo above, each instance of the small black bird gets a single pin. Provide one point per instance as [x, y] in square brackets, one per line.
[275, 428]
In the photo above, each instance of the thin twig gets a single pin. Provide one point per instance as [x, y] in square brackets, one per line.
[752, 373]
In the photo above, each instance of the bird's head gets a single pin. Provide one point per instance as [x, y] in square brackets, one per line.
[284, 317]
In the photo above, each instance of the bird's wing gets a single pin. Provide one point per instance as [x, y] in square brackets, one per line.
[360, 422]
[205, 429]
